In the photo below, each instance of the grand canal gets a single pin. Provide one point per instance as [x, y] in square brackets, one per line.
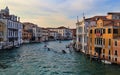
[34, 59]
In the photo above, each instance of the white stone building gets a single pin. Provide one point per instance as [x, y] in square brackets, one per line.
[81, 32]
[12, 33]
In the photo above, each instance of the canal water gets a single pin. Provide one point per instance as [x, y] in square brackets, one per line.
[35, 59]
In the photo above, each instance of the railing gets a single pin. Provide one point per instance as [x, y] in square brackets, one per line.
[80, 33]
[98, 45]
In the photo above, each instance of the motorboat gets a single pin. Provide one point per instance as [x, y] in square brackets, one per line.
[106, 62]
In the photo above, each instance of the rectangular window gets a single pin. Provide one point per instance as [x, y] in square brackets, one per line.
[103, 31]
[115, 31]
[109, 31]
[109, 41]
[109, 52]
[91, 31]
[109, 57]
[115, 43]
[116, 52]
[103, 41]
[116, 59]
[95, 31]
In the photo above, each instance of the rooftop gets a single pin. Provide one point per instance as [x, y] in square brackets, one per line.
[113, 13]
[96, 18]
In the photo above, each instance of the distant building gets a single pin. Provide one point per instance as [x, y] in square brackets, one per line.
[39, 34]
[11, 33]
[34, 30]
[53, 35]
[26, 36]
[45, 34]
[73, 32]
[64, 33]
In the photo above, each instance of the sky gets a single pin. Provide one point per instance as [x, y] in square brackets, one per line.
[55, 13]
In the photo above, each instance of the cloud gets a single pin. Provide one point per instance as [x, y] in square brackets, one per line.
[59, 12]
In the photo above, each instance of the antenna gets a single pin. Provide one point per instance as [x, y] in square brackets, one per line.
[83, 15]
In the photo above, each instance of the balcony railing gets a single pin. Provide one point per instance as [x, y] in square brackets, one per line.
[82, 33]
[98, 45]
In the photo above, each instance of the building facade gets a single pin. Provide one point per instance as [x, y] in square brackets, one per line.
[81, 32]
[12, 28]
[26, 36]
[116, 51]
[103, 36]
[39, 34]
[53, 35]
[82, 35]
[34, 30]
[45, 34]
[63, 32]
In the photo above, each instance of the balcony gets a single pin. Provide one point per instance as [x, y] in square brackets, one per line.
[81, 33]
[98, 45]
